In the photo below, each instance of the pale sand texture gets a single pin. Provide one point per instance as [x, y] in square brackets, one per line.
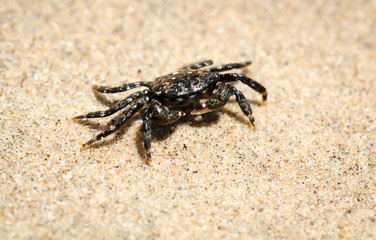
[308, 171]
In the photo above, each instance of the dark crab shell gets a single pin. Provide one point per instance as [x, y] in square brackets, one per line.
[183, 85]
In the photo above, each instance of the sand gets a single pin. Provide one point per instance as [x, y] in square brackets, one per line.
[307, 171]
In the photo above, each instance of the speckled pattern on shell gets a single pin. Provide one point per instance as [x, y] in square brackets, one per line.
[183, 84]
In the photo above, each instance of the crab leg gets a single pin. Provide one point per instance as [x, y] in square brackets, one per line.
[229, 66]
[123, 88]
[126, 116]
[243, 104]
[147, 139]
[220, 96]
[199, 65]
[246, 80]
[120, 105]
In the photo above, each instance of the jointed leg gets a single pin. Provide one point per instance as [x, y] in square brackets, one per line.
[147, 139]
[123, 88]
[126, 116]
[220, 96]
[199, 65]
[246, 80]
[245, 107]
[120, 105]
[229, 66]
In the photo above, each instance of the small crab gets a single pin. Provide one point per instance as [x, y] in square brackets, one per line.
[174, 95]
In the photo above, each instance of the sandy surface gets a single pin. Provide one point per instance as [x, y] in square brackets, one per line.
[307, 171]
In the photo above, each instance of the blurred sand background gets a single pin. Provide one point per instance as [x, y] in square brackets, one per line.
[307, 171]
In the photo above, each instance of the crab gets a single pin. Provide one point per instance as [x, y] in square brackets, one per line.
[194, 89]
